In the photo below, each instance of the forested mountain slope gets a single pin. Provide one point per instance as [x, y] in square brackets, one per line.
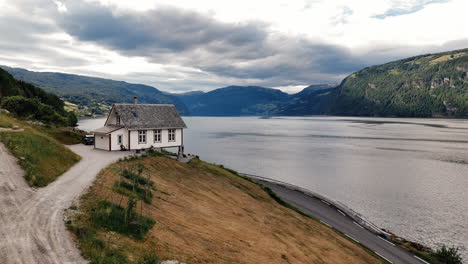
[30, 102]
[422, 86]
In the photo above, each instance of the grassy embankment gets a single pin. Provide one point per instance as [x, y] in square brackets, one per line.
[142, 210]
[39, 149]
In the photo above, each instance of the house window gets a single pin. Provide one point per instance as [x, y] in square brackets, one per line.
[119, 139]
[157, 136]
[117, 117]
[141, 136]
[171, 134]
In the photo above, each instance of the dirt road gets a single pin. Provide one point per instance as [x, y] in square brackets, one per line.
[31, 220]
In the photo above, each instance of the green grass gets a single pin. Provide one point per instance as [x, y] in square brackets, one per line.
[96, 249]
[136, 178]
[42, 158]
[132, 190]
[4, 122]
[63, 135]
[115, 218]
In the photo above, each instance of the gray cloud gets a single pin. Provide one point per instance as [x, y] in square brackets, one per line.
[234, 50]
[26, 37]
[165, 29]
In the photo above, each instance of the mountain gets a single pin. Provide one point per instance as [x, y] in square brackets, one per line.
[423, 86]
[27, 101]
[312, 89]
[432, 85]
[91, 92]
[234, 101]
[312, 100]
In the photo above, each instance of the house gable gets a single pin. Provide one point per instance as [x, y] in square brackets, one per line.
[112, 118]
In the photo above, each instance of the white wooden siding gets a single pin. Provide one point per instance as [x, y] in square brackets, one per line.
[150, 139]
[101, 141]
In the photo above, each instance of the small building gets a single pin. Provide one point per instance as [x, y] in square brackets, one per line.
[141, 126]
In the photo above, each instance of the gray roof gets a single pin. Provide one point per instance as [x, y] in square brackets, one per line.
[136, 116]
[106, 129]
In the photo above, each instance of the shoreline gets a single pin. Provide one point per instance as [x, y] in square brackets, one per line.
[387, 245]
[338, 205]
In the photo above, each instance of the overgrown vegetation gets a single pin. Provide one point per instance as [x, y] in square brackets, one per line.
[422, 86]
[125, 221]
[113, 217]
[27, 101]
[447, 255]
[42, 157]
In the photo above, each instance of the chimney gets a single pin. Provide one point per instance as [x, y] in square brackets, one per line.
[135, 100]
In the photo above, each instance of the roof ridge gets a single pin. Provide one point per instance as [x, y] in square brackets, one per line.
[149, 115]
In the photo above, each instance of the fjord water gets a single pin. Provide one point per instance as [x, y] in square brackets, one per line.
[409, 176]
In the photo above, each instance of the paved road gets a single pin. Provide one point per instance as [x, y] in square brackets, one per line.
[31, 220]
[329, 215]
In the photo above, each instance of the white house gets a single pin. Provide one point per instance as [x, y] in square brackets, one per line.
[141, 126]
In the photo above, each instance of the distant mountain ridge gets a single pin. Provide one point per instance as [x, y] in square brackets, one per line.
[432, 85]
[234, 101]
[91, 91]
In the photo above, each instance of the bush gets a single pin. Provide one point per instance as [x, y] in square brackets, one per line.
[136, 177]
[447, 255]
[134, 191]
[96, 249]
[149, 259]
[117, 219]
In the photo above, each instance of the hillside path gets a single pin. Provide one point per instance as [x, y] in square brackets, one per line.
[32, 229]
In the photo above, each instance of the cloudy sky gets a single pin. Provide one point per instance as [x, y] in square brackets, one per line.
[183, 45]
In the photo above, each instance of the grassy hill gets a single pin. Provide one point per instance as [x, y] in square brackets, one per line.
[234, 101]
[42, 157]
[422, 86]
[94, 94]
[142, 210]
[37, 145]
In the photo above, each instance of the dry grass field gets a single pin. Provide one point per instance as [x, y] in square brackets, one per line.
[205, 214]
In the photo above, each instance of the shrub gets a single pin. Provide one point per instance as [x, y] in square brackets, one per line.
[447, 255]
[136, 178]
[133, 191]
[120, 220]
[150, 258]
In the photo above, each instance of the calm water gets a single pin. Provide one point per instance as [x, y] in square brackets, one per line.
[406, 175]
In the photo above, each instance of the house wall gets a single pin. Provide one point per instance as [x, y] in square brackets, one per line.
[114, 138]
[101, 141]
[150, 139]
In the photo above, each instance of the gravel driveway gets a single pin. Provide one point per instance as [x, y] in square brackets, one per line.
[31, 220]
